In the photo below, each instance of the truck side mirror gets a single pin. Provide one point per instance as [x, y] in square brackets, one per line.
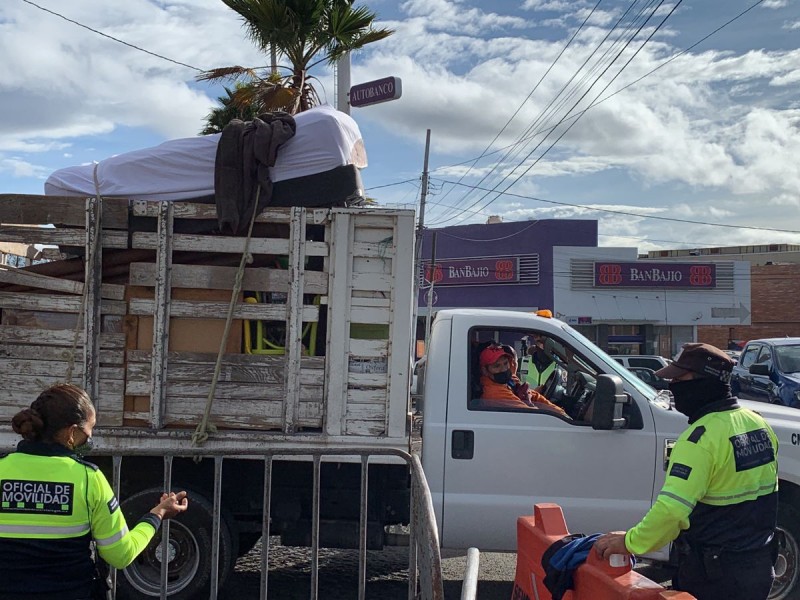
[609, 398]
[760, 369]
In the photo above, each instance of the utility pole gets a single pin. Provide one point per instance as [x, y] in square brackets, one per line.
[430, 291]
[420, 229]
[343, 84]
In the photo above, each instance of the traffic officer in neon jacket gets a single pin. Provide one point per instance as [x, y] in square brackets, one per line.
[52, 502]
[720, 497]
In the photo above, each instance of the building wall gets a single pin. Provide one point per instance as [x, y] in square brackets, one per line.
[774, 293]
[497, 240]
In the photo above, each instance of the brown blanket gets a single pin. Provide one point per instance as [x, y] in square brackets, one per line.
[245, 152]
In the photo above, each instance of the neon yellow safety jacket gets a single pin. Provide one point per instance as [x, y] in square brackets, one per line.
[51, 504]
[721, 488]
[533, 375]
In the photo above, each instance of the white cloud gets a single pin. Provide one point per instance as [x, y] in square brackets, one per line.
[20, 168]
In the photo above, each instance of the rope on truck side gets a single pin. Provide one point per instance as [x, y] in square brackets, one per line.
[200, 435]
[88, 260]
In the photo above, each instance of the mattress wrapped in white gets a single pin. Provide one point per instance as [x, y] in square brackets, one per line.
[184, 168]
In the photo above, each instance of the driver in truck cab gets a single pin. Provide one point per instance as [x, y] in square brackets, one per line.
[719, 502]
[502, 389]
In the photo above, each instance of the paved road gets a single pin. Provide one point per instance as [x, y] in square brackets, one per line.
[290, 575]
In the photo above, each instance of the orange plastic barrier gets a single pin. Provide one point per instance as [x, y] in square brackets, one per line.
[596, 579]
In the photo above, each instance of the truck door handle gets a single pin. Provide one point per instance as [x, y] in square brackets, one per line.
[463, 446]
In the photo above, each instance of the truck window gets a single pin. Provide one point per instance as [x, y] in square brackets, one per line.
[530, 372]
[649, 363]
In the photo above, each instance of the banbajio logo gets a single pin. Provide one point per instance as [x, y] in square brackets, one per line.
[610, 275]
[437, 274]
[504, 270]
[700, 275]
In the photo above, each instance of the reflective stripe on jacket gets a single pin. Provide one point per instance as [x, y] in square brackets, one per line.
[51, 504]
[721, 486]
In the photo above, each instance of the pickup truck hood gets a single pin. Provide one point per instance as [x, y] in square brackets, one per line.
[786, 423]
[777, 414]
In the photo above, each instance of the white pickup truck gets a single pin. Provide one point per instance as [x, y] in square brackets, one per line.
[486, 467]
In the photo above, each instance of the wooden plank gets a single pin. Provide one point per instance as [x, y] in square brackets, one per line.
[337, 349]
[379, 302]
[53, 303]
[374, 250]
[373, 236]
[195, 210]
[366, 396]
[367, 380]
[374, 265]
[230, 245]
[365, 428]
[35, 280]
[365, 314]
[45, 353]
[55, 337]
[39, 368]
[228, 373]
[29, 209]
[28, 387]
[401, 330]
[294, 321]
[225, 389]
[60, 237]
[251, 360]
[373, 282]
[366, 412]
[226, 408]
[199, 309]
[91, 301]
[162, 310]
[369, 348]
[222, 278]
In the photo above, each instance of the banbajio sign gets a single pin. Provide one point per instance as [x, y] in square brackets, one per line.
[647, 275]
[473, 271]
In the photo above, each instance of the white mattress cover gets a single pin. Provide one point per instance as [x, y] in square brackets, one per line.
[183, 168]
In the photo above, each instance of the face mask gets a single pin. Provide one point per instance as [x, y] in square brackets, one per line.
[694, 394]
[84, 448]
[503, 377]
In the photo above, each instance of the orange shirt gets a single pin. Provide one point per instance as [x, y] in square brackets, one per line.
[499, 395]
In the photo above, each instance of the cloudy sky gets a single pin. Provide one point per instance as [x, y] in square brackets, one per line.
[615, 110]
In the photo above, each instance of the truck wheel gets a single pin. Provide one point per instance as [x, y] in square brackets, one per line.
[190, 536]
[787, 567]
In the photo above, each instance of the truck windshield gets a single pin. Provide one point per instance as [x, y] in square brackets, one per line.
[628, 377]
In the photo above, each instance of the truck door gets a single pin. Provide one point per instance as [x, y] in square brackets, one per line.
[499, 463]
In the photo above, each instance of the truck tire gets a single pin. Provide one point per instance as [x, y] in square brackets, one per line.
[190, 535]
[787, 567]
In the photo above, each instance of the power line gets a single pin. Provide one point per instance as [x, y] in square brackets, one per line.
[111, 37]
[623, 88]
[551, 108]
[535, 87]
[625, 213]
[574, 122]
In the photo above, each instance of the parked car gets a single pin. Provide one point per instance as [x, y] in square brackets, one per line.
[769, 371]
[734, 354]
[642, 360]
[650, 378]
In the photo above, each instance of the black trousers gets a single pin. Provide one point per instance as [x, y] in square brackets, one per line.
[740, 576]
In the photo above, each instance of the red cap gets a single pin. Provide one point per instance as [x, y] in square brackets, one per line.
[492, 354]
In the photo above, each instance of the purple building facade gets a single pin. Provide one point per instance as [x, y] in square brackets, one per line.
[497, 265]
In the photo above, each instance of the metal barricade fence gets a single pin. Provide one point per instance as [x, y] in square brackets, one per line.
[424, 567]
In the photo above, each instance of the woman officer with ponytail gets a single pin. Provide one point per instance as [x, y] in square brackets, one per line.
[52, 503]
